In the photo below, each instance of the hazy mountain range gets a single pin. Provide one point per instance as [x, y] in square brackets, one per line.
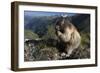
[38, 24]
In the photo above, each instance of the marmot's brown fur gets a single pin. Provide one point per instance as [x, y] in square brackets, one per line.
[68, 34]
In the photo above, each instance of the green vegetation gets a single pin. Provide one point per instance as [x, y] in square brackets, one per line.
[50, 33]
[85, 39]
[30, 35]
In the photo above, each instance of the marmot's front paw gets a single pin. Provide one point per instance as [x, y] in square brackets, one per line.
[59, 33]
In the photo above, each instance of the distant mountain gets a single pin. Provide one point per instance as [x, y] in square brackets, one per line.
[82, 22]
[38, 24]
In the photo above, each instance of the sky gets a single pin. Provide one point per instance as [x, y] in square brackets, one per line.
[41, 13]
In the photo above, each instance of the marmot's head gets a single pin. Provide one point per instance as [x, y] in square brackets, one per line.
[61, 24]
